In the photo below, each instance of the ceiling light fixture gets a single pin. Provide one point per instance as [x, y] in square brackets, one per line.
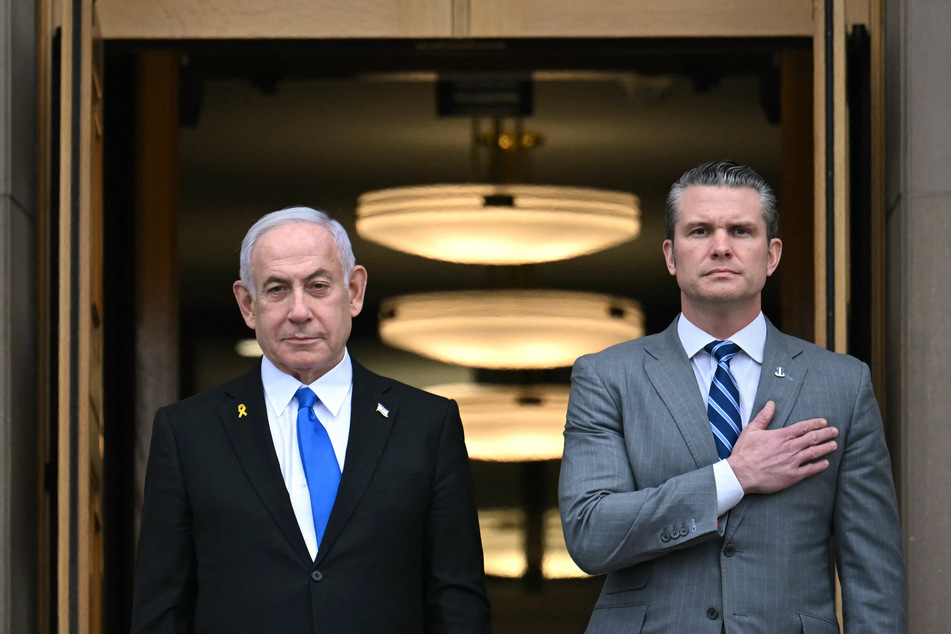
[503, 541]
[508, 329]
[499, 224]
[248, 348]
[509, 423]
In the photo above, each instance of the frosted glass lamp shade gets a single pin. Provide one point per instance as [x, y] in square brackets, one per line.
[498, 224]
[506, 423]
[507, 329]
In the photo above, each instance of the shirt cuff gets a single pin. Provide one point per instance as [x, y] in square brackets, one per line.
[729, 491]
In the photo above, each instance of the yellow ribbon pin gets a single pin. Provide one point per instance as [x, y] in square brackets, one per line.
[242, 410]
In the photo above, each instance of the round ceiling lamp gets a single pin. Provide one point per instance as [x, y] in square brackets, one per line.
[508, 329]
[498, 224]
[503, 542]
[507, 423]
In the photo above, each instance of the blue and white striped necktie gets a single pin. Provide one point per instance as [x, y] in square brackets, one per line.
[723, 405]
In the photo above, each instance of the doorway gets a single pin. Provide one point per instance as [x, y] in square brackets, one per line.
[259, 126]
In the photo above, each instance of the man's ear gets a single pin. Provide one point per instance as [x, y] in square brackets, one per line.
[357, 289]
[245, 303]
[773, 254]
[669, 257]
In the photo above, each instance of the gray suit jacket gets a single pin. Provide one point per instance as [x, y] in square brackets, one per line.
[638, 500]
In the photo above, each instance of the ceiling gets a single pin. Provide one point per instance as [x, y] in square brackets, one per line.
[268, 128]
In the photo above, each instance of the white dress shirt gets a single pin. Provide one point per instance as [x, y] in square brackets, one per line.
[334, 392]
[745, 367]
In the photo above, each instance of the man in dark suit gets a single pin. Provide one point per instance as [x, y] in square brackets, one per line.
[721, 472]
[267, 510]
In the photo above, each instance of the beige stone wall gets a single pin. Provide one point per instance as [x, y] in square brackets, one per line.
[918, 115]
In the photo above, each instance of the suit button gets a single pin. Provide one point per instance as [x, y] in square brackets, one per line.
[683, 530]
[729, 550]
[665, 536]
[316, 575]
[712, 613]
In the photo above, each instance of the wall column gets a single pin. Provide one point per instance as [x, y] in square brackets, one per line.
[918, 195]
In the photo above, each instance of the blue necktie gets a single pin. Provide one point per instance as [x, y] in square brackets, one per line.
[723, 405]
[320, 463]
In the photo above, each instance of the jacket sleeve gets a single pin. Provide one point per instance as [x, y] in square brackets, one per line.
[165, 563]
[610, 520]
[866, 528]
[455, 590]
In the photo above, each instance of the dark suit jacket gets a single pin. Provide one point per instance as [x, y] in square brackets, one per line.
[638, 500]
[220, 549]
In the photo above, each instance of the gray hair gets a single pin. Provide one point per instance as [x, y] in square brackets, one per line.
[288, 216]
[723, 174]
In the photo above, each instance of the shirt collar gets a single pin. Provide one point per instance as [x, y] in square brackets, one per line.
[331, 388]
[751, 339]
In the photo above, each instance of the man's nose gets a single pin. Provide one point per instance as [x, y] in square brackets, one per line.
[722, 245]
[299, 310]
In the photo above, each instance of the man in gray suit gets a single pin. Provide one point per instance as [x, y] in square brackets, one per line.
[721, 486]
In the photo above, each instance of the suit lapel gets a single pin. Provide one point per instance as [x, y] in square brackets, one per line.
[244, 417]
[782, 356]
[780, 381]
[369, 429]
[669, 371]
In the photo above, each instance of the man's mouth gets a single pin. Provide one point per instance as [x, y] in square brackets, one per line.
[300, 339]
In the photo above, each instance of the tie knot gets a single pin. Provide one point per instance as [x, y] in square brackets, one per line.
[305, 397]
[722, 350]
